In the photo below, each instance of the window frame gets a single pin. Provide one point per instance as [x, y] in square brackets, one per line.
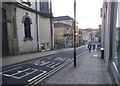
[27, 28]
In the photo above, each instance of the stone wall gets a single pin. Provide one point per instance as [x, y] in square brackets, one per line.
[40, 29]
[44, 32]
[26, 46]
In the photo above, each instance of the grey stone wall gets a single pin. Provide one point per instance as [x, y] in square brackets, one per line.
[26, 46]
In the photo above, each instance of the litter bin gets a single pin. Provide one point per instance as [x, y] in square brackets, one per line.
[102, 53]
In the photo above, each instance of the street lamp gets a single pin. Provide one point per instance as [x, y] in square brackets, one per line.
[74, 33]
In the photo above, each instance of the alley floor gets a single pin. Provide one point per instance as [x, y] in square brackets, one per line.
[90, 69]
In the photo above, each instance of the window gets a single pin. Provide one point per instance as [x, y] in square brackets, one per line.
[44, 5]
[26, 2]
[27, 27]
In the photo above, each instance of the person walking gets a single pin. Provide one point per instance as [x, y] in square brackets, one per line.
[93, 46]
[89, 47]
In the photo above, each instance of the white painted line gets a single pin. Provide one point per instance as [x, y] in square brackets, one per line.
[11, 69]
[68, 59]
[81, 54]
[36, 61]
[20, 71]
[37, 76]
[60, 59]
[7, 75]
[41, 63]
[55, 65]
[19, 77]
[49, 65]
[64, 59]
[115, 66]
[26, 73]
[34, 69]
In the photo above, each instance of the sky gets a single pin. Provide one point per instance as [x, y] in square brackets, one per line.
[87, 11]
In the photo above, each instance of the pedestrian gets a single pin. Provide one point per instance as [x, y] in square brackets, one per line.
[93, 46]
[89, 47]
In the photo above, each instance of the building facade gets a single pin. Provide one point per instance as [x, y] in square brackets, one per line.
[89, 35]
[26, 26]
[77, 36]
[110, 38]
[63, 31]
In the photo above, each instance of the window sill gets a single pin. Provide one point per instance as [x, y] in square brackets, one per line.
[27, 39]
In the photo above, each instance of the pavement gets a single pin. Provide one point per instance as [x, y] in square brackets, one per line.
[9, 60]
[90, 69]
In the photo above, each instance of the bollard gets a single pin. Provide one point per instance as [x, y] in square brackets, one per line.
[102, 53]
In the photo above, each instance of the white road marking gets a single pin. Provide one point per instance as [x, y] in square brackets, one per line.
[7, 75]
[49, 65]
[60, 59]
[41, 63]
[68, 59]
[55, 65]
[11, 69]
[14, 75]
[37, 76]
[20, 71]
[80, 54]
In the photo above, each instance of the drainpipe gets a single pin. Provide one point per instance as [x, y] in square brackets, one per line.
[37, 26]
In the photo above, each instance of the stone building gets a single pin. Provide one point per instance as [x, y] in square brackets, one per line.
[26, 26]
[89, 35]
[80, 38]
[63, 31]
[77, 34]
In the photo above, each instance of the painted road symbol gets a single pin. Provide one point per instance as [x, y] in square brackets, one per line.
[41, 63]
[18, 74]
[41, 73]
[60, 59]
[52, 65]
